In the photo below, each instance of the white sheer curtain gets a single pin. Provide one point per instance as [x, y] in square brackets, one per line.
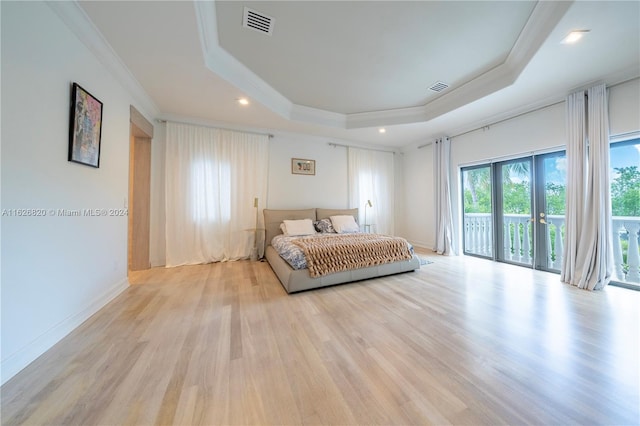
[591, 263]
[371, 178]
[212, 179]
[444, 217]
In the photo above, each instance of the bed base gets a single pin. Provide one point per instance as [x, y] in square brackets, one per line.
[298, 280]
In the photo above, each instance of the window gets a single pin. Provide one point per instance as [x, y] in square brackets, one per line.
[210, 192]
[624, 171]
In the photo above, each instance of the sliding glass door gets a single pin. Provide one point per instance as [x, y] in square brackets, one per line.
[514, 210]
[514, 205]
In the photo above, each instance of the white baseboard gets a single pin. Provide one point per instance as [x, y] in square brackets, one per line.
[17, 361]
[157, 262]
[422, 245]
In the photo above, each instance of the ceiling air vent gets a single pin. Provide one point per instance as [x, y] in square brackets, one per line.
[438, 86]
[257, 21]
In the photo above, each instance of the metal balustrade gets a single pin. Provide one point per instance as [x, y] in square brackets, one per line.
[518, 241]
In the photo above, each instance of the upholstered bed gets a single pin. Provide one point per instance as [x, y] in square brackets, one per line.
[294, 280]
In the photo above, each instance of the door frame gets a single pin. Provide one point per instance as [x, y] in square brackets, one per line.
[140, 134]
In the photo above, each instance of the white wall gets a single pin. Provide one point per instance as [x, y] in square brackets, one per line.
[540, 130]
[624, 108]
[328, 188]
[56, 271]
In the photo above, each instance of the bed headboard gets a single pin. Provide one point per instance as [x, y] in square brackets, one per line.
[327, 213]
[273, 218]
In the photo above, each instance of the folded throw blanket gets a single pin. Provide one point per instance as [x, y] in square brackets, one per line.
[351, 251]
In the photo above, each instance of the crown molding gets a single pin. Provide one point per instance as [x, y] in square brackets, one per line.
[543, 19]
[318, 116]
[79, 23]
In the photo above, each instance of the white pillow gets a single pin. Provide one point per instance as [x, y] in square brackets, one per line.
[344, 224]
[299, 227]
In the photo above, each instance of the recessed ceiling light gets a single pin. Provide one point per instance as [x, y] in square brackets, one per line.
[382, 130]
[243, 101]
[574, 36]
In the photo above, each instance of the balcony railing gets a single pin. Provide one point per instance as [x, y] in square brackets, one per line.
[518, 238]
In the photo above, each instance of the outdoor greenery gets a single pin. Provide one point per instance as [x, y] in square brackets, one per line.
[625, 193]
[477, 191]
[556, 194]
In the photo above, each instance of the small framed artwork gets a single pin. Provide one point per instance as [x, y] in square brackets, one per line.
[85, 127]
[300, 166]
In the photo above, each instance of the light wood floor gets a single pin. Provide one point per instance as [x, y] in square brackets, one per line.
[462, 341]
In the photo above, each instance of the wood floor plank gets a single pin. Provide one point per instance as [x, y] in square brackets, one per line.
[461, 341]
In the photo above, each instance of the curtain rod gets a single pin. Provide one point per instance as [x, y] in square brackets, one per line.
[357, 147]
[161, 120]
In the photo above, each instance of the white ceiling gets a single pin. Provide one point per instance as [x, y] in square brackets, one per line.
[350, 57]
[342, 69]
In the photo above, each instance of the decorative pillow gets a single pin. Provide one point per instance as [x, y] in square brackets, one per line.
[324, 226]
[344, 224]
[299, 227]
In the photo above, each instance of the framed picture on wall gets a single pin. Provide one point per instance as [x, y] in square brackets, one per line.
[301, 166]
[85, 127]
